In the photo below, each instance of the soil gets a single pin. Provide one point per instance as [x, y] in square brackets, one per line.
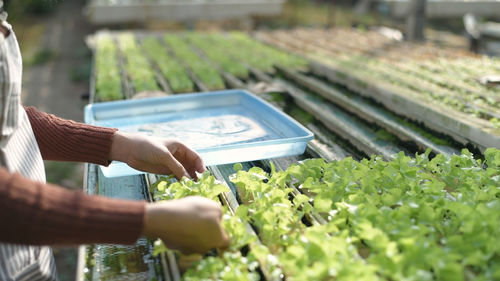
[56, 62]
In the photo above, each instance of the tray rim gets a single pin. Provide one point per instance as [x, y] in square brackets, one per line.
[305, 134]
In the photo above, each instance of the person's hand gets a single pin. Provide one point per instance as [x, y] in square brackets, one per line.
[158, 156]
[191, 224]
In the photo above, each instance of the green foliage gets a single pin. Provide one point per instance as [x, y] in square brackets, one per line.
[136, 64]
[81, 72]
[243, 52]
[218, 55]
[202, 69]
[383, 134]
[107, 74]
[175, 74]
[300, 115]
[265, 52]
[231, 265]
[19, 7]
[167, 189]
[318, 252]
[413, 219]
[40, 57]
[233, 53]
[405, 219]
[430, 82]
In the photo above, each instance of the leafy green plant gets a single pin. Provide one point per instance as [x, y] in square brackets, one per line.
[202, 69]
[107, 73]
[137, 66]
[232, 264]
[413, 218]
[175, 74]
[242, 53]
[41, 56]
[285, 59]
[436, 75]
[218, 55]
[317, 252]
[406, 219]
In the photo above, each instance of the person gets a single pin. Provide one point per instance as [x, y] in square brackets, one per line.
[35, 215]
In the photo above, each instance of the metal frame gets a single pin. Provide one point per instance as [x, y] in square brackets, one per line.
[446, 8]
[101, 12]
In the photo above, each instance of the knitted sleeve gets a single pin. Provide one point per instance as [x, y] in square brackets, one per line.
[65, 140]
[44, 214]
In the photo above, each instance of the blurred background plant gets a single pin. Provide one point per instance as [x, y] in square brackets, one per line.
[17, 7]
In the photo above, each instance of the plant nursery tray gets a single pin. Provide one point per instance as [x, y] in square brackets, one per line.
[223, 126]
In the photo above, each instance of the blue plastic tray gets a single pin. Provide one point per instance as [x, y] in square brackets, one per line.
[223, 127]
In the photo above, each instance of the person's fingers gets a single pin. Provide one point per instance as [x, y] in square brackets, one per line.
[225, 241]
[173, 165]
[191, 160]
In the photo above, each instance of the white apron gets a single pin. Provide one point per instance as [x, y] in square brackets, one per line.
[19, 152]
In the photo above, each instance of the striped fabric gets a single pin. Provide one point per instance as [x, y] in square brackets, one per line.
[19, 152]
[3, 14]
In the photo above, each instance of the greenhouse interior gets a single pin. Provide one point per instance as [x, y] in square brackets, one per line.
[342, 140]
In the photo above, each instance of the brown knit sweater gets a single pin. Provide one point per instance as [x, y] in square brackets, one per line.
[44, 214]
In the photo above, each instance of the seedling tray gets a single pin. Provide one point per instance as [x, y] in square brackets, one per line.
[223, 126]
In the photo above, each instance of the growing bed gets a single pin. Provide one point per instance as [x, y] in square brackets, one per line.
[439, 87]
[391, 216]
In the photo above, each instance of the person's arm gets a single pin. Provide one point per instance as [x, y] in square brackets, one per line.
[43, 214]
[65, 140]
[37, 213]
[191, 224]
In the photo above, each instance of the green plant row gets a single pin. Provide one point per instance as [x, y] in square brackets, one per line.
[478, 96]
[466, 71]
[477, 107]
[201, 68]
[285, 59]
[232, 264]
[452, 82]
[217, 54]
[439, 87]
[137, 66]
[178, 80]
[108, 85]
[386, 72]
[242, 53]
[318, 252]
[447, 79]
[413, 218]
[406, 219]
